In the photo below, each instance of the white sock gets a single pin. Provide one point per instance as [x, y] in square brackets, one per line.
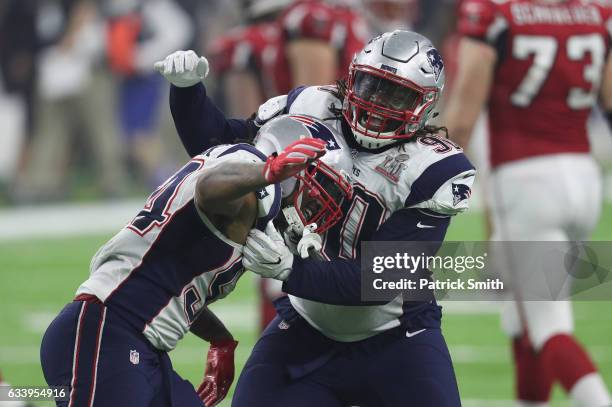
[590, 391]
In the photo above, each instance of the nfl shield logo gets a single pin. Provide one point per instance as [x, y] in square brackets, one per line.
[134, 357]
[283, 325]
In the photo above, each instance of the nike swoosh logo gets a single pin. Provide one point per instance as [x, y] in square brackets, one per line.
[415, 333]
[273, 264]
[422, 226]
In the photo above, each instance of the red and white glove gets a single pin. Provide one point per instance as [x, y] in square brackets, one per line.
[219, 373]
[293, 159]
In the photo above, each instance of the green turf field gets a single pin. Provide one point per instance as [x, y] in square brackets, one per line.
[39, 277]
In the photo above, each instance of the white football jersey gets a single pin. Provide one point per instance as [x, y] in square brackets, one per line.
[170, 260]
[430, 174]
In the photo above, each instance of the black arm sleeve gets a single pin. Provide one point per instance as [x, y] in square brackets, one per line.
[338, 281]
[200, 124]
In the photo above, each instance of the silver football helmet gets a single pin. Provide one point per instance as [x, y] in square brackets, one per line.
[315, 195]
[394, 85]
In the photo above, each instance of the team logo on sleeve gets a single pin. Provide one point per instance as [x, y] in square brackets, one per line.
[392, 166]
[461, 192]
[435, 60]
[134, 357]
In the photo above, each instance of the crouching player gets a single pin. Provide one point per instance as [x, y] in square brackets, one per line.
[153, 281]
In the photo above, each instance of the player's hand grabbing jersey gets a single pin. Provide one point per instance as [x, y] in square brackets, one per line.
[407, 192]
[550, 59]
[170, 260]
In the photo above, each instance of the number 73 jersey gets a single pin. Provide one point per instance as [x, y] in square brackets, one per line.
[550, 62]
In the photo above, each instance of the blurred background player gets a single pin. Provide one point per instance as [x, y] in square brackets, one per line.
[540, 68]
[139, 34]
[319, 40]
[74, 101]
[245, 60]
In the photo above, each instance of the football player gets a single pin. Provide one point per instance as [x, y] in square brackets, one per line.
[318, 42]
[245, 60]
[408, 183]
[153, 281]
[540, 67]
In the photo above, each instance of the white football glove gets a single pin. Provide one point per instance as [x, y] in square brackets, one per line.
[183, 68]
[309, 241]
[266, 254]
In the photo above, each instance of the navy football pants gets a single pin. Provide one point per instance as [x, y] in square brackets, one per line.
[106, 363]
[296, 366]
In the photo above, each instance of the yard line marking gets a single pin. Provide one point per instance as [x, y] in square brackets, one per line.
[27, 222]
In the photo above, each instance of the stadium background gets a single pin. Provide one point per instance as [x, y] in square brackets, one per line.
[53, 220]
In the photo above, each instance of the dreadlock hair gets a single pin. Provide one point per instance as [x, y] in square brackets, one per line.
[341, 90]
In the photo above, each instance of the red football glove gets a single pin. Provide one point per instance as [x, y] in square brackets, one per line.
[219, 373]
[293, 159]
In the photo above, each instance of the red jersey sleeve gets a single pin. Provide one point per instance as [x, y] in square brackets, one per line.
[477, 19]
[230, 52]
[309, 19]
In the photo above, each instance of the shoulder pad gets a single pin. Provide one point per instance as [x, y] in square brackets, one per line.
[444, 186]
[270, 109]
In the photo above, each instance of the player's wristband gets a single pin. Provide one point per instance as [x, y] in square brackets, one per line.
[225, 343]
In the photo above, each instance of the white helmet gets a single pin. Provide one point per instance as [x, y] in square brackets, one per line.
[318, 195]
[394, 85]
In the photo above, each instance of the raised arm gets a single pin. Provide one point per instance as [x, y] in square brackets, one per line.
[199, 123]
[224, 188]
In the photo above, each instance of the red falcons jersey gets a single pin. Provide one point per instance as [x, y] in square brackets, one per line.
[337, 25]
[551, 58]
[253, 48]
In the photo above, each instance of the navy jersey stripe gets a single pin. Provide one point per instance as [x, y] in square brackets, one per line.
[174, 259]
[292, 95]
[244, 147]
[435, 176]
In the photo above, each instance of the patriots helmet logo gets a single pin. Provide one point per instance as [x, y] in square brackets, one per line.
[436, 62]
[317, 130]
[461, 192]
[262, 193]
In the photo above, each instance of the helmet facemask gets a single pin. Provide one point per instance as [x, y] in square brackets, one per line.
[382, 108]
[317, 197]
